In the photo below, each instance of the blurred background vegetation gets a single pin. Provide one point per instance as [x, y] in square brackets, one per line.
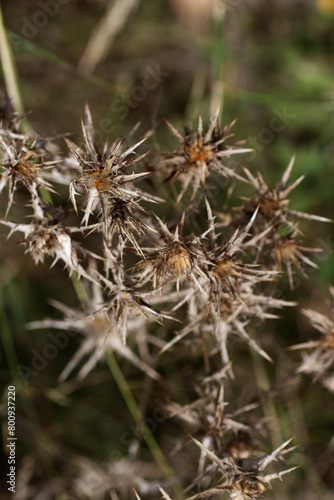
[258, 60]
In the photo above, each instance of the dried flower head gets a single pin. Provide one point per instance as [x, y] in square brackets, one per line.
[106, 179]
[289, 251]
[121, 216]
[23, 163]
[318, 355]
[244, 481]
[175, 260]
[202, 152]
[232, 457]
[273, 203]
[226, 268]
[47, 238]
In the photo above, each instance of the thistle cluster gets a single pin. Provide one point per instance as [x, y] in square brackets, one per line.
[196, 285]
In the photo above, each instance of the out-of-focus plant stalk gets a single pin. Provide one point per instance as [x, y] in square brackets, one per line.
[10, 73]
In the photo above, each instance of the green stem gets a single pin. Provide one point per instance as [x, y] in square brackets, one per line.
[137, 416]
[79, 288]
[10, 73]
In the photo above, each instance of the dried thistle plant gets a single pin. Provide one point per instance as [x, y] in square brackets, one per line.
[159, 288]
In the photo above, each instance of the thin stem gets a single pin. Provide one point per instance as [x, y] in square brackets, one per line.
[79, 288]
[10, 73]
[137, 416]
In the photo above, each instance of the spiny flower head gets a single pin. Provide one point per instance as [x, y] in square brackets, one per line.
[288, 250]
[232, 457]
[104, 175]
[245, 480]
[318, 355]
[273, 202]
[45, 237]
[121, 216]
[226, 268]
[202, 152]
[23, 163]
[175, 259]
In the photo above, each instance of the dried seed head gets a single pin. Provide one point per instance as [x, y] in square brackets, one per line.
[23, 163]
[244, 481]
[46, 238]
[41, 244]
[271, 207]
[120, 215]
[273, 202]
[318, 354]
[104, 174]
[201, 152]
[174, 260]
[287, 250]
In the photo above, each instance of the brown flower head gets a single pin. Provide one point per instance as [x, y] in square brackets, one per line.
[226, 267]
[288, 250]
[174, 260]
[273, 203]
[246, 480]
[318, 355]
[45, 237]
[106, 179]
[201, 153]
[23, 163]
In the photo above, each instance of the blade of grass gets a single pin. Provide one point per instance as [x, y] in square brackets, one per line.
[10, 73]
[28, 48]
[137, 416]
[79, 288]
[110, 25]
[217, 57]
